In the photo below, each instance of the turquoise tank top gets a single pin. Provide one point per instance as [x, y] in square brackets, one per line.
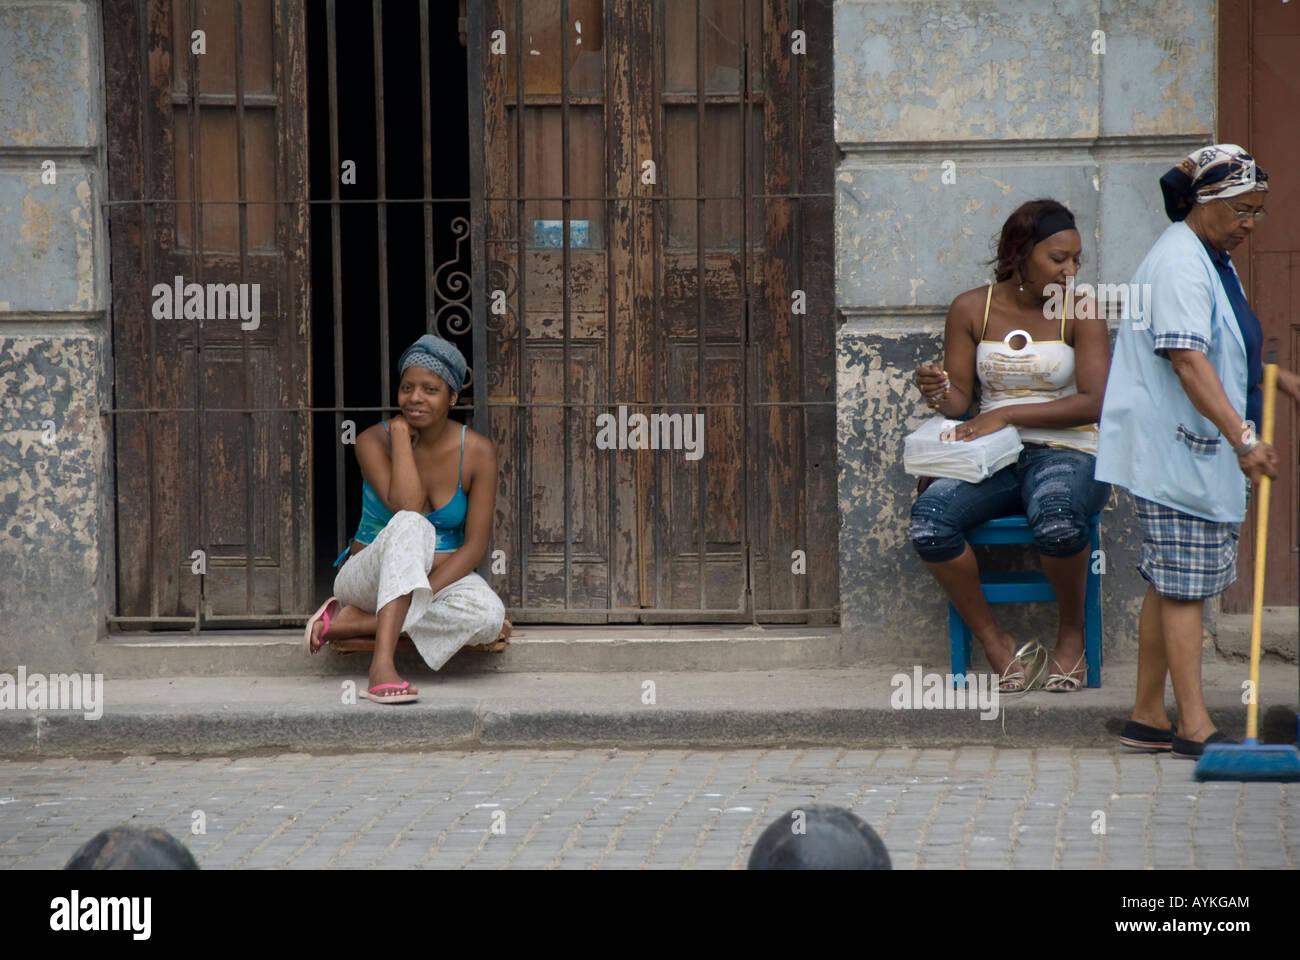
[448, 520]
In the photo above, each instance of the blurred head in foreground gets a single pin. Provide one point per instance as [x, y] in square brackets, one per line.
[819, 838]
[130, 848]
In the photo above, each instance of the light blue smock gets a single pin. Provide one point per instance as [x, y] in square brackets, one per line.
[1151, 439]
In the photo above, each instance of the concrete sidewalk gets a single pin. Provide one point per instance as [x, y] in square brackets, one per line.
[225, 716]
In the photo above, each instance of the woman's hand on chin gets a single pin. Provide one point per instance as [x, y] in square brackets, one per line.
[400, 426]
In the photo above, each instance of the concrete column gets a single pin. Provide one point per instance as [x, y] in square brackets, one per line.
[55, 546]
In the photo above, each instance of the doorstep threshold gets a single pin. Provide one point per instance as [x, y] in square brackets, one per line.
[523, 634]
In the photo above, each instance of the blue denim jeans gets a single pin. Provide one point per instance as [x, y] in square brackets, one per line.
[1052, 486]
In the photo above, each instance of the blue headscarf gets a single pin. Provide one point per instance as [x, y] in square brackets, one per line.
[440, 356]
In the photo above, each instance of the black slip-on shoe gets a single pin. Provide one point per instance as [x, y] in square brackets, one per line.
[1192, 749]
[1138, 736]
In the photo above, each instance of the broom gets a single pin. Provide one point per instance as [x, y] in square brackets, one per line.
[1252, 760]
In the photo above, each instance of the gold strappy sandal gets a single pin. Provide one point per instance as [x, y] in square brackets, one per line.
[1016, 682]
[1066, 682]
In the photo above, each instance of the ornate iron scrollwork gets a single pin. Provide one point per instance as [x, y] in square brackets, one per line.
[453, 317]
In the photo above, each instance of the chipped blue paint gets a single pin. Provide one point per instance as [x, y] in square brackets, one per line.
[51, 553]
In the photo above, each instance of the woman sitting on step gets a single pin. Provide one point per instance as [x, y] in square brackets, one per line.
[1045, 376]
[407, 570]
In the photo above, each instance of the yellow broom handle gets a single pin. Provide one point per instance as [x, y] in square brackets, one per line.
[1261, 551]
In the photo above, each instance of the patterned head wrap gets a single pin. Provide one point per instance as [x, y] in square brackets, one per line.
[1216, 172]
[440, 356]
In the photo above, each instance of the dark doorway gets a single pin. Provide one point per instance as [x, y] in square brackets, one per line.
[399, 246]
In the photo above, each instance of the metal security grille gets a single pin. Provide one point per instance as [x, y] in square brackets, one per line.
[211, 424]
[614, 212]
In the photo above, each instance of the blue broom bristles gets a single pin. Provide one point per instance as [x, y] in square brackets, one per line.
[1249, 761]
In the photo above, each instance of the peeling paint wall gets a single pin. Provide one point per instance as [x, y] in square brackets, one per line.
[55, 544]
[1010, 98]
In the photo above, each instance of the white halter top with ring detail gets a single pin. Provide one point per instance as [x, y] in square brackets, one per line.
[1037, 372]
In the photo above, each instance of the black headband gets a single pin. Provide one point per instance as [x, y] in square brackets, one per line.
[1050, 221]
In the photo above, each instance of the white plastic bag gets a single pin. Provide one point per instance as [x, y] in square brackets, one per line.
[925, 455]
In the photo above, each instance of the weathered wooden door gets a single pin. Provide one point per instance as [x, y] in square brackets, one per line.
[687, 146]
[1259, 87]
[206, 112]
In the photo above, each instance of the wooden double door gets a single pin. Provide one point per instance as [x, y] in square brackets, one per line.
[688, 147]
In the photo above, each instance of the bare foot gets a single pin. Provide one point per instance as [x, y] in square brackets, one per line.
[344, 623]
[1158, 721]
[1015, 676]
[1068, 654]
[388, 675]
[1199, 735]
[1000, 649]
[318, 639]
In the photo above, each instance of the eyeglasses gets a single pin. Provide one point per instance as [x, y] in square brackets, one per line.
[1259, 214]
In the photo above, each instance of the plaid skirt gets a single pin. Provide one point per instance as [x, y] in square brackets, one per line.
[1186, 557]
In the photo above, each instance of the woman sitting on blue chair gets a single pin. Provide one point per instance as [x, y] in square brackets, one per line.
[1045, 377]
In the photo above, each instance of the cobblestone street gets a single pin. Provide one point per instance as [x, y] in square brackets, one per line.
[935, 808]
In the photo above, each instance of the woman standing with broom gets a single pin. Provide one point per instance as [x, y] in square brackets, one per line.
[1178, 430]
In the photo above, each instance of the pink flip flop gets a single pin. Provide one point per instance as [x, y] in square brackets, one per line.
[322, 614]
[391, 698]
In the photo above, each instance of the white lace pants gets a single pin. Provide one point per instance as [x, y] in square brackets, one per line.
[397, 562]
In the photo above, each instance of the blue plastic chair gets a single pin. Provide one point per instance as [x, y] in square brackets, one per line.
[1028, 586]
